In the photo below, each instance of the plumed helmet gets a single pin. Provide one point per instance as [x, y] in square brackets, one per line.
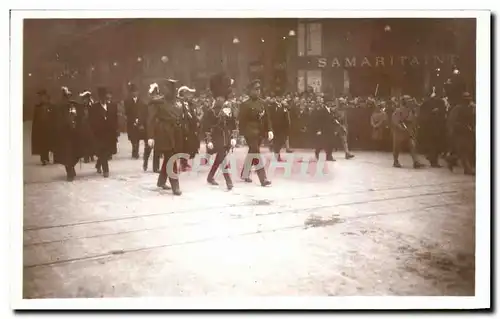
[220, 85]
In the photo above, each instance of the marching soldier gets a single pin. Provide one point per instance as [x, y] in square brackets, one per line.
[380, 124]
[432, 131]
[165, 131]
[325, 126]
[104, 122]
[342, 127]
[191, 125]
[68, 149]
[220, 127]
[87, 138]
[280, 119]
[42, 133]
[461, 132]
[254, 123]
[404, 123]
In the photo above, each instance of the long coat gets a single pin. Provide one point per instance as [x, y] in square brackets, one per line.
[68, 144]
[280, 118]
[432, 122]
[191, 128]
[86, 133]
[220, 126]
[104, 122]
[165, 121]
[254, 120]
[44, 129]
[136, 121]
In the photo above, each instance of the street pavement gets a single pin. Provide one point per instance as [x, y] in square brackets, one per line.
[367, 229]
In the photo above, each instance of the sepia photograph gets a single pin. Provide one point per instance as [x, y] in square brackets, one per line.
[234, 156]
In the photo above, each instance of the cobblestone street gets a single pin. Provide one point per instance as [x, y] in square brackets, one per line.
[370, 229]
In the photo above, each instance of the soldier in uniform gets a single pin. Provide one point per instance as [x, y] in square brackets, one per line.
[220, 127]
[342, 127]
[42, 133]
[380, 124]
[325, 123]
[165, 130]
[104, 122]
[254, 123]
[404, 124]
[190, 123]
[280, 119]
[68, 149]
[461, 133]
[432, 131]
[87, 138]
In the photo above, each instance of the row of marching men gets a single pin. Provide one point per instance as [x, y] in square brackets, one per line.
[167, 124]
[72, 130]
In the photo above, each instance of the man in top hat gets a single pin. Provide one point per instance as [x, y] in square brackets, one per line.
[165, 130]
[134, 128]
[220, 127]
[104, 122]
[461, 126]
[191, 125]
[324, 124]
[43, 130]
[255, 124]
[88, 140]
[68, 148]
[404, 126]
[432, 128]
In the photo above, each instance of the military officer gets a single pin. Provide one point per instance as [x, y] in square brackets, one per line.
[68, 148]
[404, 125]
[342, 127]
[220, 127]
[191, 125]
[255, 124]
[165, 130]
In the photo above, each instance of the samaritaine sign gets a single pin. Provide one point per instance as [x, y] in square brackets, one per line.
[386, 61]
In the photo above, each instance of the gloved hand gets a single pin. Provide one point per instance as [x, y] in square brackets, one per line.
[233, 142]
[318, 133]
[210, 145]
[270, 135]
[151, 142]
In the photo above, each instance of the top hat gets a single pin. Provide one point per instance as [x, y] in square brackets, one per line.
[220, 85]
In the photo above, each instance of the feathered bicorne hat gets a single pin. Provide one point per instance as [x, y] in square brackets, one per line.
[183, 89]
[85, 93]
[65, 91]
[220, 85]
[159, 87]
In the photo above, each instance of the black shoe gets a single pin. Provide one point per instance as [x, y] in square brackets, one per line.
[145, 166]
[265, 183]
[175, 186]
[105, 174]
[212, 181]
[417, 165]
[229, 186]
[156, 170]
[247, 180]
[99, 170]
[349, 156]
[70, 178]
[397, 165]
[330, 159]
[165, 186]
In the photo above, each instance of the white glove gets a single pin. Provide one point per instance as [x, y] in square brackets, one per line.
[210, 145]
[233, 142]
[151, 142]
[318, 133]
[270, 135]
